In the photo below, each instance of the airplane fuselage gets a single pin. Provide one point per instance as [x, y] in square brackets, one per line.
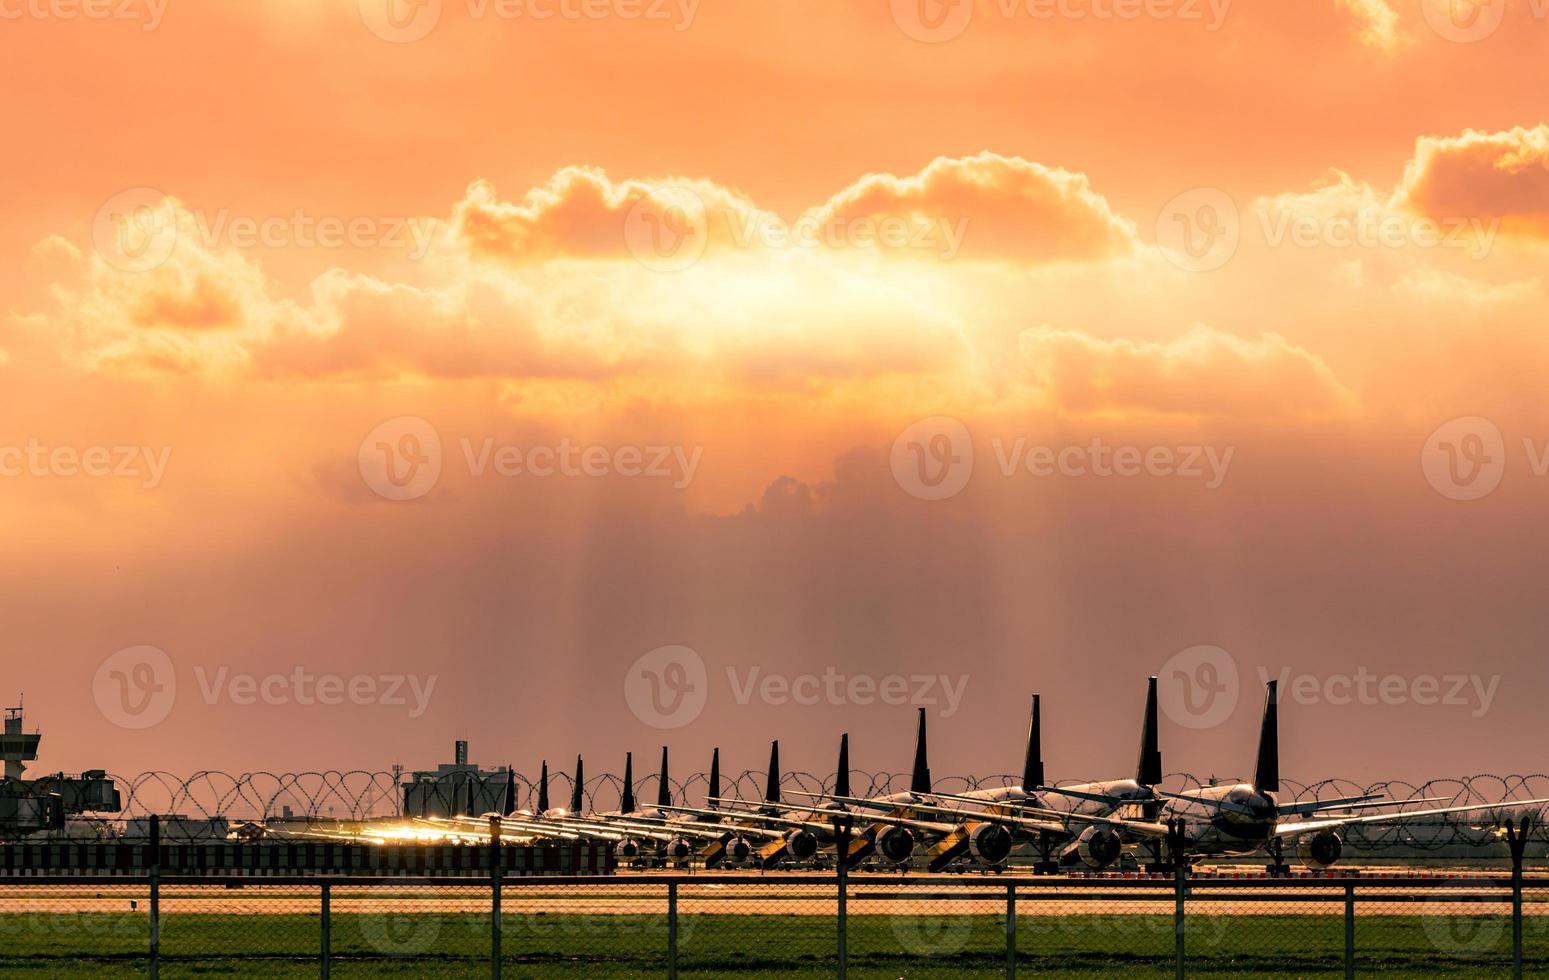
[1244, 826]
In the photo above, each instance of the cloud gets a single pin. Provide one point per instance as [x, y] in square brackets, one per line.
[1010, 208]
[1203, 372]
[1378, 23]
[208, 308]
[1336, 196]
[1502, 175]
[195, 307]
[988, 206]
[581, 213]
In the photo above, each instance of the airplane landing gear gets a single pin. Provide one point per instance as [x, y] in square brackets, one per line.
[1278, 868]
[1045, 865]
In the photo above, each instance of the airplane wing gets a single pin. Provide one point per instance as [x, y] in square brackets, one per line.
[1296, 828]
[728, 828]
[1353, 803]
[1093, 797]
[1005, 819]
[1141, 828]
[876, 805]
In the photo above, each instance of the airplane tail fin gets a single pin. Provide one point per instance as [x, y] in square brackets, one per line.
[664, 787]
[510, 801]
[715, 777]
[1149, 771]
[919, 781]
[772, 788]
[1266, 774]
[627, 795]
[543, 789]
[842, 777]
[575, 790]
[1032, 765]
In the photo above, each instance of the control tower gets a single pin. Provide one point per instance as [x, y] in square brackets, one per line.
[16, 747]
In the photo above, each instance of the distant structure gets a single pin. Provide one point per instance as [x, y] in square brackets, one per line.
[179, 828]
[46, 804]
[457, 789]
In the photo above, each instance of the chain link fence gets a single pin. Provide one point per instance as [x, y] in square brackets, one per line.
[785, 925]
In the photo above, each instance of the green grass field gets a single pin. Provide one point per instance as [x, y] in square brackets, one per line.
[750, 946]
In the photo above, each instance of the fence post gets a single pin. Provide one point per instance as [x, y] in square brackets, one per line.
[1349, 932]
[1516, 837]
[1175, 835]
[154, 870]
[1011, 931]
[327, 911]
[672, 930]
[842, 874]
[496, 872]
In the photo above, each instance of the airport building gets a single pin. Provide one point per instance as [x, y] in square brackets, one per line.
[44, 805]
[455, 789]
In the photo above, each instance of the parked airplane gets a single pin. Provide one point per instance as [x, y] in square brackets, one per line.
[1246, 818]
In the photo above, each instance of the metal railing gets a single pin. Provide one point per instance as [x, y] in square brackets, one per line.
[791, 924]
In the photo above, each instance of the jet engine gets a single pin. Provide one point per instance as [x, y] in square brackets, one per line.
[801, 845]
[738, 850]
[628, 849]
[990, 843]
[1098, 848]
[895, 844]
[1318, 851]
[678, 849]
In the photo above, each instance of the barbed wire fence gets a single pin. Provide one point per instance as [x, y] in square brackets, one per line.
[213, 802]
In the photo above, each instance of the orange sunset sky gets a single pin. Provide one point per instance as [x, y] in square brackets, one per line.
[817, 296]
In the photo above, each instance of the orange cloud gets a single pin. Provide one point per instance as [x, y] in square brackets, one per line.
[1502, 175]
[581, 213]
[1378, 23]
[203, 307]
[1000, 208]
[1010, 208]
[1203, 372]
